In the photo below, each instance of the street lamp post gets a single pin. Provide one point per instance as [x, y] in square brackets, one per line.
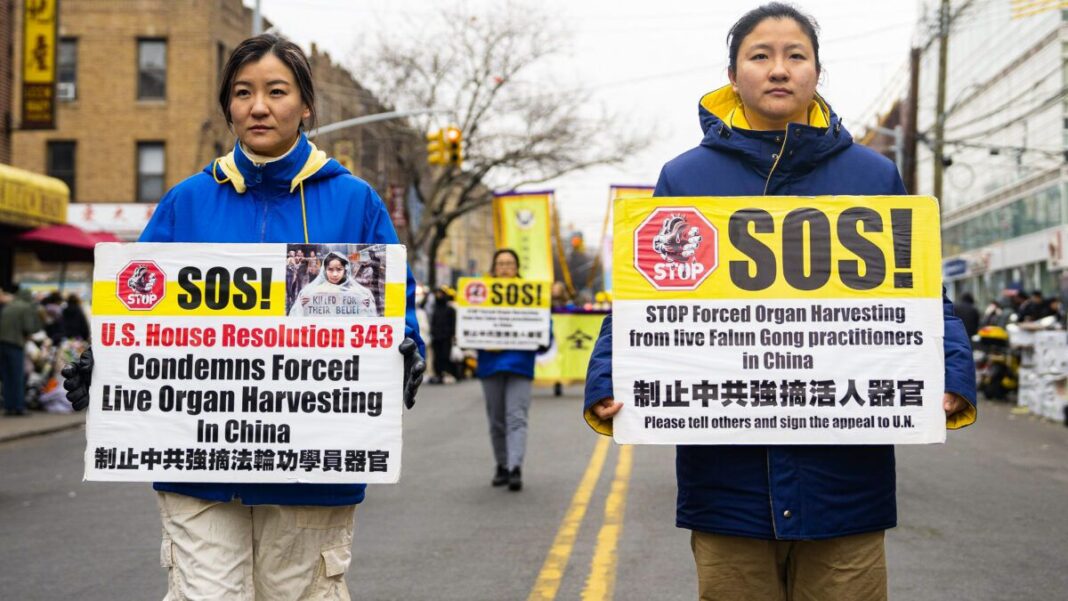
[364, 120]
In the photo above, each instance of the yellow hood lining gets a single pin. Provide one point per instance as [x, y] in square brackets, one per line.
[228, 166]
[316, 160]
[726, 104]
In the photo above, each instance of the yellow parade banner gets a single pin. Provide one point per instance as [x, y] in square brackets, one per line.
[522, 223]
[574, 335]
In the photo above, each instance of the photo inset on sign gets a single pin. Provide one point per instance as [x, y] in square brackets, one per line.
[335, 280]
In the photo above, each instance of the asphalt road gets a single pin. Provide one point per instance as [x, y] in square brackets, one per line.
[983, 517]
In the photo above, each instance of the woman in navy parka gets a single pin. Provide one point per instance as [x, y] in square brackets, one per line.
[259, 541]
[769, 133]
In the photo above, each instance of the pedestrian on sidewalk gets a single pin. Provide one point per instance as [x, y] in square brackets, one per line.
[18, 320]
[442, 333]
[265, 541]
[783, 522]
[507, 377]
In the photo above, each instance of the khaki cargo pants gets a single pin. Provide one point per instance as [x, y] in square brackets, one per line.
[215, 550]
[733, 568]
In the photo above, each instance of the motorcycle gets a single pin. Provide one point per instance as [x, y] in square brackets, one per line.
[997, 365]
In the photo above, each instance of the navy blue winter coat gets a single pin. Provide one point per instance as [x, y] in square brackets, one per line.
[783, 492]
[233, 200]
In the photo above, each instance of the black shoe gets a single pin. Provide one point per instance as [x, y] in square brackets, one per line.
[501, 477]
[515, 479]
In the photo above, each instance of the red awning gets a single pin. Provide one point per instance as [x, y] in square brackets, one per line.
[63, 242]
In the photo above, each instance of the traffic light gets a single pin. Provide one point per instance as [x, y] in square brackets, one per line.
[454, 150]
[436, 153]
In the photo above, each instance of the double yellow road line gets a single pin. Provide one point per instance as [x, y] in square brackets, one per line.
[600, 583]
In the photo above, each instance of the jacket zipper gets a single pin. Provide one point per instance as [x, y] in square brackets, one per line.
[771, 497]
[778, 157]
[263, 228]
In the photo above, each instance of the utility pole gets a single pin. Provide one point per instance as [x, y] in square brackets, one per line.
[940, 106]
[257, 20]
[911, 113]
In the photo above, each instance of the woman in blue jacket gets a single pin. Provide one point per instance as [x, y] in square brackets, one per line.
[251, 541]
[783, 522]
[506, 382]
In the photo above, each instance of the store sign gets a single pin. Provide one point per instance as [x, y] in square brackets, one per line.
[29, 199]
[39, 39]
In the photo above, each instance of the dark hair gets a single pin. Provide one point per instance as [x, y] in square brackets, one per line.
[503, 251]
[771, 10]
[252, 50]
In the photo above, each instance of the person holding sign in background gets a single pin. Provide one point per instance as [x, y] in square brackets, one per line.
[334, 278]
[506, 382]
[256, 541]
[781, 522]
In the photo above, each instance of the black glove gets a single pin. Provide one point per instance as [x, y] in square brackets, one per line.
[77, 376]
[414, 366]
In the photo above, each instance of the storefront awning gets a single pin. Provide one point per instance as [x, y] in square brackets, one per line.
[62, 243]
[30, 199]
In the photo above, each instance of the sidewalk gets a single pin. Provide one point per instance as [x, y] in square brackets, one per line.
[36, 423]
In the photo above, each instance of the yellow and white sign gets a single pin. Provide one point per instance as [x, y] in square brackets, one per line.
[567, 359]
[502, 313]
[522, 223]
[778, 320]
[39, 19]
[210, 367]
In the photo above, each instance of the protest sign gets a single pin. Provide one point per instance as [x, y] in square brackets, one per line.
[778, 321]
[246, 363]
[502, 314]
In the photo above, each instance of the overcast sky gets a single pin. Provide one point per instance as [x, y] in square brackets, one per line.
[648, 62]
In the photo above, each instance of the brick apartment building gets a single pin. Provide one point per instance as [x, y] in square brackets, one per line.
[136, 89]
[137, 108]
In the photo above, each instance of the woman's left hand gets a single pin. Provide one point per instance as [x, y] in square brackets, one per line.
[414, 366]
[953, 403]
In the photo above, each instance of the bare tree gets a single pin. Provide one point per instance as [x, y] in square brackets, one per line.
[493, 72]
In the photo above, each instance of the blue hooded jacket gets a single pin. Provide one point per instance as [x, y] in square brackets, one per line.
[233, 200]
[783, 492]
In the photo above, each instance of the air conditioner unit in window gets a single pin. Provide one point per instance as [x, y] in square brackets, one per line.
[66, 90]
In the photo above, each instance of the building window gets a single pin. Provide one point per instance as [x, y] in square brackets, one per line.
[220, 61]
[150, 172]
[61, 162]
[67, 70]
[369, 156]
[151, 69]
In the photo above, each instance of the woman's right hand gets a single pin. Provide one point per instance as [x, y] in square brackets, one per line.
[77, 376]
[606, 409]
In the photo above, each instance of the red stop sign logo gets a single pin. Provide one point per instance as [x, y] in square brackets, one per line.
[475, 293]
[676, 248]
[141, 285]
